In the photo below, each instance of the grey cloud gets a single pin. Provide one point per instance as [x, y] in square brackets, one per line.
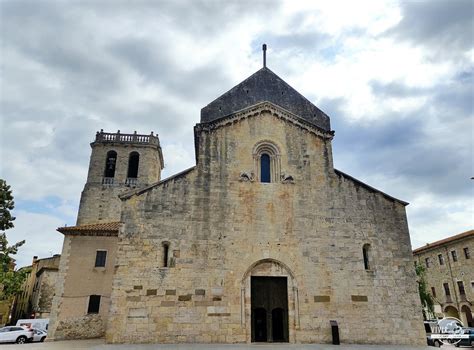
[396, 89]
[445, 26]
[157, 66]
[400, 148]
[428, 150]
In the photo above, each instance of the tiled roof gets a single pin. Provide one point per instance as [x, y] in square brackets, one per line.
[264, 85]
[444, 241]
[105, 229]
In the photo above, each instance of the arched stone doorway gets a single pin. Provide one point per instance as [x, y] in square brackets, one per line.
[269, 302]
[451, 311]
[466, 316]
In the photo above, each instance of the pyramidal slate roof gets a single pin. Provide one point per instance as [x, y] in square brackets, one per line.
[264, 85]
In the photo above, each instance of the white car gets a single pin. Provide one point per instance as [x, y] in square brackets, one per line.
[39, 335]
[15, 334]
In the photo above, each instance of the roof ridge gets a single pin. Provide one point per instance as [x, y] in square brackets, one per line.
[442, 241]
[264, 85]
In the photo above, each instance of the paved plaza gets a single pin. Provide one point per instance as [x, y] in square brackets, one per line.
[99, 344]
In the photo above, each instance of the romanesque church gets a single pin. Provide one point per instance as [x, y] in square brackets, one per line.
[263, 240]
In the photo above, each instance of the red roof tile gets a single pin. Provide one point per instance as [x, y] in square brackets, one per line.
[105, 229]
[444, 241]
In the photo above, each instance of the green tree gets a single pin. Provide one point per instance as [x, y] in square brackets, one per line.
[425, 297]
[10, 280]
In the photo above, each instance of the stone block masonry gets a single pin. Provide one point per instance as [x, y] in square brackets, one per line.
[310, 232]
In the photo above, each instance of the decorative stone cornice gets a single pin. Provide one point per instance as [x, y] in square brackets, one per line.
[262, 108]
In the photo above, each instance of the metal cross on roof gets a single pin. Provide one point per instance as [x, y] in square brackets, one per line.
[264, 48]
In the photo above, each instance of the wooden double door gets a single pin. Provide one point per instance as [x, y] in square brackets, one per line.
[269, 298]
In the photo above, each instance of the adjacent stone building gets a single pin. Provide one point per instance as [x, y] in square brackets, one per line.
[38, 290]
[261, 241]
[449, 265]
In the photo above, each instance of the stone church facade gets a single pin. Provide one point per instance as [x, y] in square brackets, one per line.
[261, 241]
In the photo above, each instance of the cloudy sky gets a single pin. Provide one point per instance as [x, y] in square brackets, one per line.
[395, 77]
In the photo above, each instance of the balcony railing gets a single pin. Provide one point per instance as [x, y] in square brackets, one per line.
[131, 181]
[108, 180]
[126, 138]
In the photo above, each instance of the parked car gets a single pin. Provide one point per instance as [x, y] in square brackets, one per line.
[429, 325]
[39, 335]
[15, 334]
[467, 341]
[41, 323]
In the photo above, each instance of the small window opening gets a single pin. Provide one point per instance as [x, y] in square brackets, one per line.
[454, 255]
[265, 168]
[467, 254]
[110, 162]
[100, 258]
[447, 292]
[427, 263]
[365, 253]
[166, 249]
[441, 259]
[462, 291]
[94, 304]
[133, 161]
[433, 292]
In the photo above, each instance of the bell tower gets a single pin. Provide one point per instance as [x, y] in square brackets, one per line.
[118, 163]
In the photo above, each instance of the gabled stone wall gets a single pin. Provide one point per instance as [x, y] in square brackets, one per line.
[218, 224]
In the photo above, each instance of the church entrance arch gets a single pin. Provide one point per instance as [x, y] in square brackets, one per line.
[269, 302]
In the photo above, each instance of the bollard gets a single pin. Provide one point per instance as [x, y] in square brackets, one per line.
[335, 332]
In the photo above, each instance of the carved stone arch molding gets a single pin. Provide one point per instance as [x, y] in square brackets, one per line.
[273, 151]
[269, 268]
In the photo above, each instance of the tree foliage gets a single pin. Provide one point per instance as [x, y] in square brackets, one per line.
[425, 297]
[10, 280]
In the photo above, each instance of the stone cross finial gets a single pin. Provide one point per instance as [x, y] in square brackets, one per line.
[264, 48]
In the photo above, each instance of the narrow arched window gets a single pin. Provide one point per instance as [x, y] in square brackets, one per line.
[265, 168]
[133, 161]
[266, 157]
[366, 253]
[110, 162]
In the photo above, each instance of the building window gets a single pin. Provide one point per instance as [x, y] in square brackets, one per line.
[462, 291]
[467, 255]
[133, 161]
[365, 255]
[441, 259]
[110, 163]
[100, 258]
[94, 304]
[265, 168]
[454, 255]
[266, 157]
[427, 263]
[433, 292]
[447, 292]
[166, 249]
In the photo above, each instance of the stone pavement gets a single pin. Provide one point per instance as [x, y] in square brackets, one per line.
[99, 344]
